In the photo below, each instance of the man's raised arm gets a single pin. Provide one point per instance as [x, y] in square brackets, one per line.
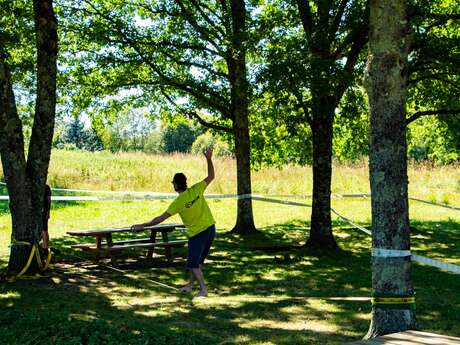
[210, 177]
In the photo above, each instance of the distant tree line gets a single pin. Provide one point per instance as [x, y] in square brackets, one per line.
[433, 139]
[124, 134]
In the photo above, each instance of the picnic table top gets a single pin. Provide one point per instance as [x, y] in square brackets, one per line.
[160, 227]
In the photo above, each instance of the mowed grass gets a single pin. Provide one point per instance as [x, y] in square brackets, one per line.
[264, 289]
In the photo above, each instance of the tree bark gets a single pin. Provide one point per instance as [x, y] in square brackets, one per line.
[26, 179]
[14, 163]
[245, 219]
[386, 88]
[240, 110]
[321, 226]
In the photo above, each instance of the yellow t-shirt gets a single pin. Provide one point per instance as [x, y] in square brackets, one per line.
[193, 209]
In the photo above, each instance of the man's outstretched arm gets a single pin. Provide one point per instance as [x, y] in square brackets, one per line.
[154, 221]
[210, 177]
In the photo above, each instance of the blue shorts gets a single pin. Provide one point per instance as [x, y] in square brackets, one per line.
[198, 247]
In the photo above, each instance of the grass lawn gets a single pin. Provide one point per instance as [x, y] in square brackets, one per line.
[258, 295]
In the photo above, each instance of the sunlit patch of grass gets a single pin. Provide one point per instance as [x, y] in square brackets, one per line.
[10, 295]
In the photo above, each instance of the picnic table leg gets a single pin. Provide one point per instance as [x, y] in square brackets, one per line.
[110, 244]
[98, 248]
[153, 237]
[168, 250]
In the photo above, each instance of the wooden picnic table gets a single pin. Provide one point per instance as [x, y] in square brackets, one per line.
[104, 242]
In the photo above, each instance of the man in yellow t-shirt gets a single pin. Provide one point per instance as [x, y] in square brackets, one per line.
[197, 217]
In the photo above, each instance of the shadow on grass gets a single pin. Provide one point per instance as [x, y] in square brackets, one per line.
[315, 297]
[90, 305]
[437, 239]
[253, 299]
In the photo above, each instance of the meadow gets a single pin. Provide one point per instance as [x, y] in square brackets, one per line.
[259, 294]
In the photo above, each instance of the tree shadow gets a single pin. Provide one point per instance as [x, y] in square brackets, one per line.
[98, 306]
[315, 297]
[436, 238]
[255, 300]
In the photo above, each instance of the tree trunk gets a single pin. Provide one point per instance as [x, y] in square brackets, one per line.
[14, 163]
[240, 109]
[45, 107]
[321, 226]
[386, 88]
[26, 180]
[245, 220]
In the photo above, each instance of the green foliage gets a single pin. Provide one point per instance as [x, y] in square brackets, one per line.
[154, 143]
[179, 137]
[350, 141]
[123, 127]
[301, 71]
[207, 140]
[17, 36]
[173, 53]
[279, 137]
[73, 135]
[431, 139]
[434, 80]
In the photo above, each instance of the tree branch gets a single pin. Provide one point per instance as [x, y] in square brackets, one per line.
[159, 11]
[437, 16]
[210, 124]
[168, 44]
[207, 18]
[225, 16]
[298, 94]
[337, 20]
[203, 32]
[194, 64]
[434, 77]
[306, 17]
[193, 90]
[419, 114]
[196, 116]
[428, 76]
[356, 35]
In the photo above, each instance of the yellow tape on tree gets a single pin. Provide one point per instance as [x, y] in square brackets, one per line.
[29, 261]
[21, 243]
[48, 260]
[35, 251]
[392, 300]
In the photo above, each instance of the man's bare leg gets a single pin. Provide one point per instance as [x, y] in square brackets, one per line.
[187, 288]
[199, 276]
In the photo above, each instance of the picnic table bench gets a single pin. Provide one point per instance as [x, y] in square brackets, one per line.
[104, 242]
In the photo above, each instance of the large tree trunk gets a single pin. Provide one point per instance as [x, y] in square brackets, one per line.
[321, 226]
[26, 180]
[245, 220]
[14, 163]
[321, 124]
[45, 106]
[386, 87]
[240, 110]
